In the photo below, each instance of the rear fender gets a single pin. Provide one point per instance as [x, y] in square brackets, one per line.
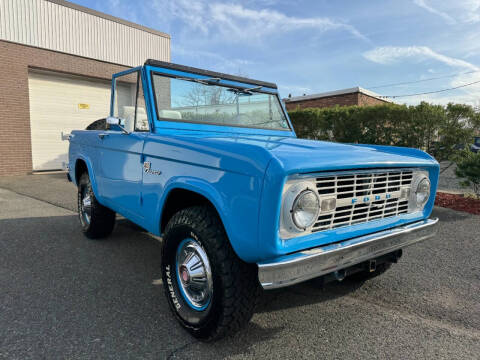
[91, 174]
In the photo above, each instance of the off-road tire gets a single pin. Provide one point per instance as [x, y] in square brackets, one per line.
[102, 219]
[235, 283]
[365, 275]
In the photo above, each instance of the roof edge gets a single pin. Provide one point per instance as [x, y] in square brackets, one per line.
[108, 17]
[198, 71]
[356, 89]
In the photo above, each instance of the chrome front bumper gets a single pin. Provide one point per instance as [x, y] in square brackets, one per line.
[308, 264]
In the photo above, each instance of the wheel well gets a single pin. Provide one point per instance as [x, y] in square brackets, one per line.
[179, 199]
[80, 168]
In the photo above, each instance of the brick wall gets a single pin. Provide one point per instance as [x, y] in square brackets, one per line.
[366, 100]
[15, 61]
[329, 101]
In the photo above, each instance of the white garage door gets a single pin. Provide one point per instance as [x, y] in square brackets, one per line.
[60, 104]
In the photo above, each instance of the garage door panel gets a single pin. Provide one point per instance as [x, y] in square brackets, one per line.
[54, 108]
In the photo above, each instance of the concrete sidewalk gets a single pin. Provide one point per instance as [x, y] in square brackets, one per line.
[53, 188]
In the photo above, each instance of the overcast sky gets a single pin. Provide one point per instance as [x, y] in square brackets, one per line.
[319, 45]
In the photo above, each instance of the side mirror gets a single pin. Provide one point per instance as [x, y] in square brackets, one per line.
[112, 120]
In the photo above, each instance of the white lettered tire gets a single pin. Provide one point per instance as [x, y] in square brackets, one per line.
[210, 290]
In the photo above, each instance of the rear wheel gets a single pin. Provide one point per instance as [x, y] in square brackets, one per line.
[210, 290]
[96, 220]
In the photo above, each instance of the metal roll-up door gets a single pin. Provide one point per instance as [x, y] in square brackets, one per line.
[59, 104]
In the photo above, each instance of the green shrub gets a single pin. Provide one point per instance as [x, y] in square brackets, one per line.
[419, 126]
[468, 169]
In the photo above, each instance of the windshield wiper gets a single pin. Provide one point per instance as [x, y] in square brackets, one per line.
[201, 81]
[246, 91]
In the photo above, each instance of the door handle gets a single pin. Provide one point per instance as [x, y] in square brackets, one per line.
[101, 136]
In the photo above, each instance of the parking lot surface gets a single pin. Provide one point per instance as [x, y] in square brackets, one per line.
[448, 180]
[64, 296]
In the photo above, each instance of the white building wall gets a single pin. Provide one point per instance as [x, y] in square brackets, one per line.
[51, 25]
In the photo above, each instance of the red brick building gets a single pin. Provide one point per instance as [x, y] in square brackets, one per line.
[56, 63]
[346, 97]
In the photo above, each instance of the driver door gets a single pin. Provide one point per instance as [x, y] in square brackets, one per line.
[121, 151]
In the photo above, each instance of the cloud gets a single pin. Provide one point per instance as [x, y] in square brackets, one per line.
[471, 11]
[445, 16]
[217, 61]
[392, 54]
[453, 12]
[239, 23]
[468, 95]
[246, 23]
[122, 10]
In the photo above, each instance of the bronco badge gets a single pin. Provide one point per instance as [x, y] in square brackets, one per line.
[147, 168]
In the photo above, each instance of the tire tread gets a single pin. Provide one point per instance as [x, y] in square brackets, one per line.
[102, 220]
[240, 285]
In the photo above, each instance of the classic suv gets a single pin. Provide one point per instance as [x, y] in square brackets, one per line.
[211, 163]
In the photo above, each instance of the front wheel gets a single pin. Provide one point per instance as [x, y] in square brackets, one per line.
[210, 290]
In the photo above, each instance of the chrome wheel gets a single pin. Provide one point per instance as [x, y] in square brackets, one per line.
[86, 207]
[194, 274]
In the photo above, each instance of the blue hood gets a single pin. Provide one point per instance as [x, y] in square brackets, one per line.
[300, 156]
[251, 154]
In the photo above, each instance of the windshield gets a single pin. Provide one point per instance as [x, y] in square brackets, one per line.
[204, 101]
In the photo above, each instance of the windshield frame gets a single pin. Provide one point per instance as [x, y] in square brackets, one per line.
[184, 76]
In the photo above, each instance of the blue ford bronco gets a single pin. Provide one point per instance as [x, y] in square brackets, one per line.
[211, 163]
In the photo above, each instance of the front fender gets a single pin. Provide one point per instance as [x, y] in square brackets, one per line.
[195, 185]
[238, 210]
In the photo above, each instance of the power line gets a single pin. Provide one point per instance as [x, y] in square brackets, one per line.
[430, 92]
[419, 81]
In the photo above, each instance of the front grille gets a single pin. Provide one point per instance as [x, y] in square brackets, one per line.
[363, 196]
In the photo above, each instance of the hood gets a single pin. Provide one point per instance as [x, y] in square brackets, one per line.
[301, 156]
[251, 154]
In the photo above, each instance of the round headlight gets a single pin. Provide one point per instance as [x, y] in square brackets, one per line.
[305, 209]
[422, 193]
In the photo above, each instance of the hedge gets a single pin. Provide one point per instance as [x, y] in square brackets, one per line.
[468, 169]
[434, 128]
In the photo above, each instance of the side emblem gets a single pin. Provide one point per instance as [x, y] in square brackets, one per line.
[147, 168]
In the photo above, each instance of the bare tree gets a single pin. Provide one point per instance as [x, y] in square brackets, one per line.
[201, 94]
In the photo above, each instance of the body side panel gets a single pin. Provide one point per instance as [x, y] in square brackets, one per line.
[120, 158]
[83, 146]
[189, 163]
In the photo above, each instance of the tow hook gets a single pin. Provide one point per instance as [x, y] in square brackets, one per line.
[372, 265]
[340, 274]
[397, 255]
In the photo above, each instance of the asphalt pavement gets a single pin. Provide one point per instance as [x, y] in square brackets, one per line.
[64, 296]
[448, 181]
